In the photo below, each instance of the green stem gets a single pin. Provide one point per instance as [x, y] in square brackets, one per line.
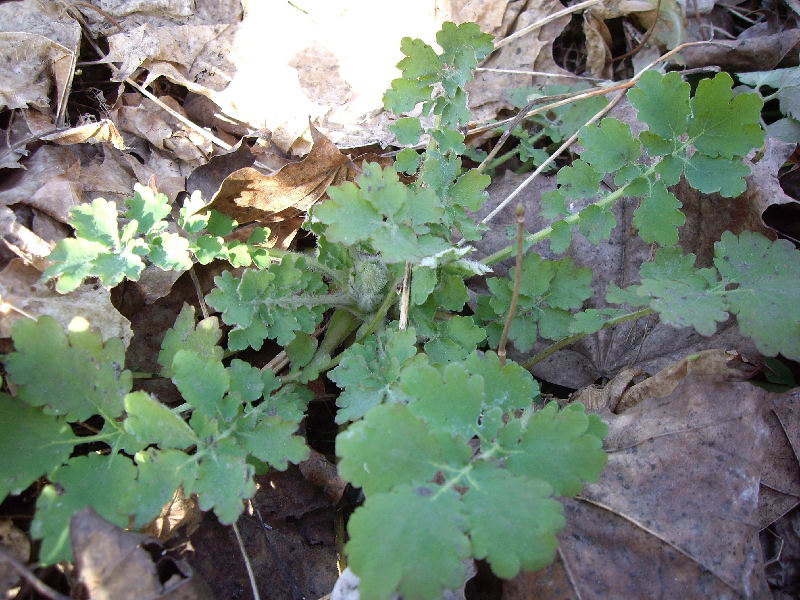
[502, 158]
[572, 219]
[87, 439]
[341, 325]
[553, 348]
[144, 375]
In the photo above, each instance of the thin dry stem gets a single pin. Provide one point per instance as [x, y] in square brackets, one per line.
[36, 583]
[405, 297]
[542, 22]
[247, 565]
[512, 308]
[199, 291]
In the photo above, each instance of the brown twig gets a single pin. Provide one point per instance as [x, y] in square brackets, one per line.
[512, 308]
[36, 583]
[645, 37]
[199, 291]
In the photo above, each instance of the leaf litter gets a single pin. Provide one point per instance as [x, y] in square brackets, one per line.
[660, 514]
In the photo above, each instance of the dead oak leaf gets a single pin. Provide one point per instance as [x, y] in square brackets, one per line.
[249, 195]
[675, 513]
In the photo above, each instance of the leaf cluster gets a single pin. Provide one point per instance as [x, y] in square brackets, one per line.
[113, 247]
[431, 501]
[238, 417]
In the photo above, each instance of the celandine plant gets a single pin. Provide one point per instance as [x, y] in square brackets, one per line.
[442, 433]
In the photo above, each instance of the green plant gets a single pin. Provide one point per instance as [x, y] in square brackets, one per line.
[444, 437]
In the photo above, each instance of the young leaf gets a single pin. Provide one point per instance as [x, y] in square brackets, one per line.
[418, 556]
[153, 423]
[662, 101]
[224, 480]
[559, 447]
[202, 382]
[273, 441]
[368, 371]
[767, 299]
[37, 442]
[73, 375]
[388, 447]
[272, 303]
[658, 216]
[513, 521]
[201, 339]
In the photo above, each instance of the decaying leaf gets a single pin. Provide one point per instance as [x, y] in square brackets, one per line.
[49, 182]
[531, 52]
[675, 510]
[22, 241]
[90, 133]
[248, 195]
[41, 43]
[780, 476]
[22, 288]
[114, 564]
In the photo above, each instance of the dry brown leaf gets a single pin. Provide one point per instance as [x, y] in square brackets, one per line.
[90, 133]
[780, 478]
[22, 241]
[14, 541]
[531, 52]
[248, 195]
[114, 564]
[41, 43]
[49, 182]
[747, 54]
[674, 514]
[142, 117]
[323, 473]
[178, 512]
[196, 56]
[21, 287]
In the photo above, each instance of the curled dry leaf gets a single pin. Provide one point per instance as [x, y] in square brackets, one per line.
[22, 241]
[50, 182]
[675, 511]
[281, 200]
[115, 564]
[89, 133]
[22, 288]
[142, 117]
